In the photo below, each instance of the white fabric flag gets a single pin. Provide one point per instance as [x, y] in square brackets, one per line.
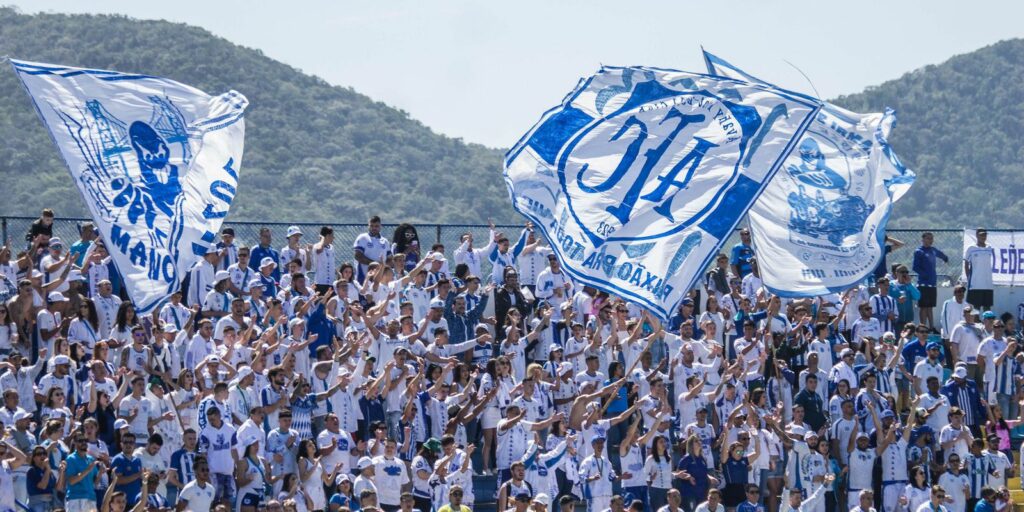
[640, 174]
[156, 161]
[819, 226]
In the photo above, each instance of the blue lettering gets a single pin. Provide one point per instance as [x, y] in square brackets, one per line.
[119, 238]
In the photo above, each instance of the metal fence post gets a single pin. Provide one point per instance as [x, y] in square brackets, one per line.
[3, 229]
[438, 234]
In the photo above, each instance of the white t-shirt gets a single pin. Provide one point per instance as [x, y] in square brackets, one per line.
[323, 265]
[862, 463]
[980, 260]
[374, 248]
[390, 476]
[199, 498]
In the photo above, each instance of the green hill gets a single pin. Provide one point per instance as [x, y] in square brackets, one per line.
[960, 125]
[322, 152]
[313, 151]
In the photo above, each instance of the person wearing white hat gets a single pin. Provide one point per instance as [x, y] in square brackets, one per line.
[843, 370]
[218, 301]
[265, 274]
[251, 472]
[242, 398]
[59, 377]
[541, 502]
[294, 251]
[365, 470]
[56, 263]
[50, 320]
[174, 313]
[434, 320]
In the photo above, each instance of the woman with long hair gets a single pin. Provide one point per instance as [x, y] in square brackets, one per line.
[292, 492]
[406, 241]
[186, 397]
[8, 332]
[85, 326]
[658, 473]
[835, 404]
[313, 475]
[41, 481]
[55, 408]
[421, 470]
[1001, 427]
[121, 335]
[692, 471]
[252, 476]
[715, 315]
[917, 492]
[498, 376]
[103, 408]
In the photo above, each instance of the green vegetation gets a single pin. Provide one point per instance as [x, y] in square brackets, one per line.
[321, 152]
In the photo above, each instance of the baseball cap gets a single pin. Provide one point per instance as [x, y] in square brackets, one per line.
[960, 372]
[56, 297]
[56, 242]
[888, 414]
[364, 462]
[988, 315]
[120, 423]
[597, 438]
[686, 302]
[61, 359]
[294, 230]
[243, 372]
[809, 434]
[542, 499]
[256, 283]
[267, 262]
[932, 346]
[221, 275]
[862, 435]
[228, 231]
[437, 304]
[565, 368]
[22, 415]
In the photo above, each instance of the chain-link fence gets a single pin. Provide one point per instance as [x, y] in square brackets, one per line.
[950, 241]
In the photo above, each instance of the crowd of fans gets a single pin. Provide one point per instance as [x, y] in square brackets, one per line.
[285, 378]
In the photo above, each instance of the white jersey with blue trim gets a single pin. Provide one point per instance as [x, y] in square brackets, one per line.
[980, 261]
[375, 248]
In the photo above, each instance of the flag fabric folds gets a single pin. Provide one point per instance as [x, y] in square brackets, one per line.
[640, 174]
[156, 162]
[821, 220]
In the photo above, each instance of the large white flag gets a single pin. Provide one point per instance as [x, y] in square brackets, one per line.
[640, 174]
[156, 161]
[819, 226]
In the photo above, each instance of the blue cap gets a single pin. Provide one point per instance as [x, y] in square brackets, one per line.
[888, 414]
[686, 302]
[988, 315]
[597, 438]
[933, 346]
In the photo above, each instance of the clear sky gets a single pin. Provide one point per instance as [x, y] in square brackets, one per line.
[485, 70]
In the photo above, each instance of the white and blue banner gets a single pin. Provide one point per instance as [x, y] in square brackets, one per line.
[640, 174]
[819, 226]
[156, 161]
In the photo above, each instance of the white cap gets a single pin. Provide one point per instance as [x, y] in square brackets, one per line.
[960, 372]
[243, 372]
[22, 415]
[437, 256]
[437, 303]
[295, 321]
[56, 297]
[256, 283]
[364, 462]
[221, 275]
[61, 359]
[565, 368]
[36, 274]
[56, 242]
[267, 261]
[214, 359]
[120, 423]
[543, 499]
[294, 230]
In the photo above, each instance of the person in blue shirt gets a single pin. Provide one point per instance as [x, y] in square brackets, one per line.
[905, 294]
[127, 470]
[741, 254]
[753, 501]
[927, 278]
[987, 503]
[264, 250]
[40, 481]
[82, 475]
